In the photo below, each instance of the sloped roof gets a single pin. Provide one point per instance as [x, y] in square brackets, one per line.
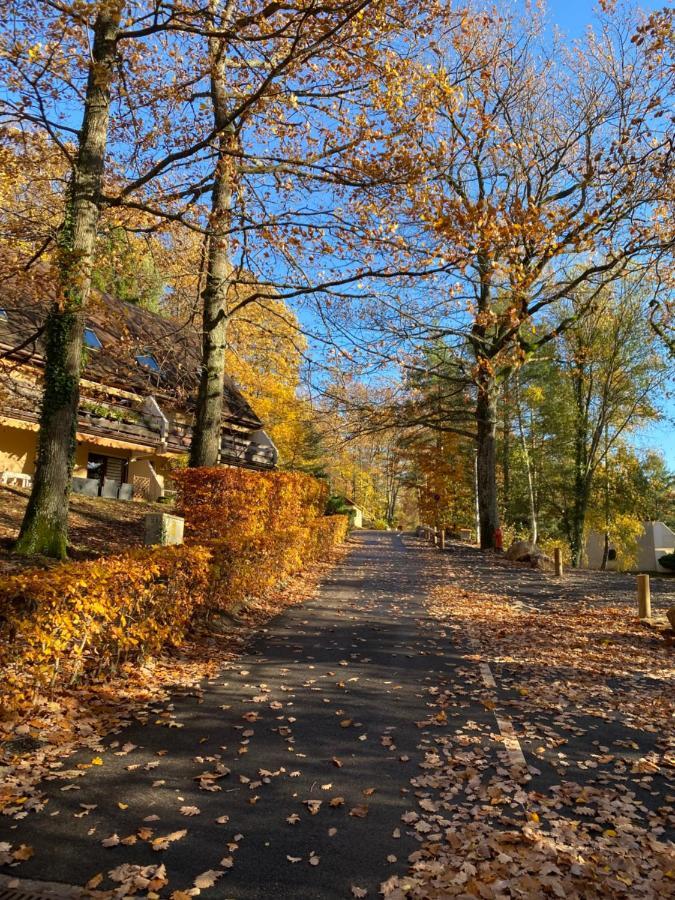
[125, 331]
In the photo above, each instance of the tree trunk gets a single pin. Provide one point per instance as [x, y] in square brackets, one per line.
[582, 476]
[582, 490]
[506, 451]
[206, 436]
[578, 525]
[45, 524]
[486, 460]
[534, 525]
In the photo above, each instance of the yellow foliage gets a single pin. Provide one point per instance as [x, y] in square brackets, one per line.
[264, 356]
[247, 532]
[84, 618]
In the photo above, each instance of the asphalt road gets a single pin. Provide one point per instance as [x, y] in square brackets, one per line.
[330, 703]
[344, 677]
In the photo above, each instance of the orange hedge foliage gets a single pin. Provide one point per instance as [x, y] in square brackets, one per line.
[83, 618]
[246, 533]
[261, 527]
[222, 502]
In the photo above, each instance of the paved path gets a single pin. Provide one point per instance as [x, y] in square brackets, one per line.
[323, 706]
[354, 653]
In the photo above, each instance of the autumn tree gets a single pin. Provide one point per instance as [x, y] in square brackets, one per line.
[533, 177]
[610, 375]
[286, 89]
[66, 65]
[26, 61]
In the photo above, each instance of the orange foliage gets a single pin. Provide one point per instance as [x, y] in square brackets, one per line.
[246, 533]
[260, 527]
[86, 618]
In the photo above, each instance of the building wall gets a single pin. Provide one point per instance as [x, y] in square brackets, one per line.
[147, 478]
[84, 448]
[17, 449]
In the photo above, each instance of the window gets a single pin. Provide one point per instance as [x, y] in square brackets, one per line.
[3, 315]
[148, 361]
[91, 339]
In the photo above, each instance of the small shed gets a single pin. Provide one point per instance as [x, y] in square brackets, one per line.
[356, 513]
[656, 540]
[595, 550]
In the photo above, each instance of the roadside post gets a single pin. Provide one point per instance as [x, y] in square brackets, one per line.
[644, 597]
[557, 561]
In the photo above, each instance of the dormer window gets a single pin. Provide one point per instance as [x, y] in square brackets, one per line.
[91, 339]
[148, 361]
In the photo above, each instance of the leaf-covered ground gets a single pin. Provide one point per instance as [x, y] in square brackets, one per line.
[372, 741]
[97, 526]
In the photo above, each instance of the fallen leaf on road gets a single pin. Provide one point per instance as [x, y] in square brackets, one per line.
[162, 843]
[313, 806]
[207, 879]
[360, 812]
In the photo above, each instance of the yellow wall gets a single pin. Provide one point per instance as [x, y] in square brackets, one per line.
[148, 484]
[17, 449]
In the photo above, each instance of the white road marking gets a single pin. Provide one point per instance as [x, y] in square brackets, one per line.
[486, 672]
[48, 889]
[511, 742]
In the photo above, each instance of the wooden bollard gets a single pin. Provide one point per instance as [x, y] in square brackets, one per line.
[441, 542]
[644, 597]
[557, 561]
[434, 537]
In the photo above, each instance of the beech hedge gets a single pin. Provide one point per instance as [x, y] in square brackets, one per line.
[245, 533]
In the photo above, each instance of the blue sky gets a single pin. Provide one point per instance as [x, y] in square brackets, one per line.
[574, 15]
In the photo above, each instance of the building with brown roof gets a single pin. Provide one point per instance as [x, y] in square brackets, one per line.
[138, 389]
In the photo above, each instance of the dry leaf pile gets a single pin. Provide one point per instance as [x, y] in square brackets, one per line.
[489, 828]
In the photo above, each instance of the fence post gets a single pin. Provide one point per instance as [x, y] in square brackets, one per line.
[557, 561]
[442, 539]
[644, 597]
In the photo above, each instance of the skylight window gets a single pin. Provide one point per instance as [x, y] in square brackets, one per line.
[148, 361]
[91, 339]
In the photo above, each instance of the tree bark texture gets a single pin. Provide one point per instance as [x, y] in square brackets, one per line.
[45, 525]
[206, 436]
[486, 459]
